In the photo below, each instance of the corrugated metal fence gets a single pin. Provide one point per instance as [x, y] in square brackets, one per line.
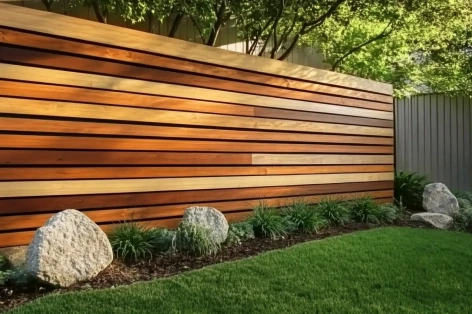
[434, 137]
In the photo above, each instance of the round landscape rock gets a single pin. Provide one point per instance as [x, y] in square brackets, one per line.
[438, 199]
[439, 221]
[210, 218]
[69, 248]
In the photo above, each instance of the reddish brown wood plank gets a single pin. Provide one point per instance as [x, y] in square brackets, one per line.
[95, 50]
[68, 173]
[69, 157]
[17, 222]
[134, 144]
[102, 67]
[66, 93]
[101, 128]
[57, 203]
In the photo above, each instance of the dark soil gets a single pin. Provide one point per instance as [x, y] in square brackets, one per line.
[119, 273]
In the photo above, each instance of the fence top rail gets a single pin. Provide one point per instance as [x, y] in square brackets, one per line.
[69, 27]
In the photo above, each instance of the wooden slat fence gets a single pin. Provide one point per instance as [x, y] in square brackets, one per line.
[123, 124]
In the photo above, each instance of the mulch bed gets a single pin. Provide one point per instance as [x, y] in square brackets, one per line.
[119, 273]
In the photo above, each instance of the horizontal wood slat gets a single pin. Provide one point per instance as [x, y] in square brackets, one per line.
[100, 201]
[78, 110]
[139, 213]
[122, 124]
[130, 130]
[77, 94]
[134, 144]
[44, 188]
[56, 173]
[50, 43]
[23, 73]
[101, 67]
[70, 157]
[68, 27]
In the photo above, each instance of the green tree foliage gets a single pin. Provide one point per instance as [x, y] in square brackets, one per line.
[417, 45]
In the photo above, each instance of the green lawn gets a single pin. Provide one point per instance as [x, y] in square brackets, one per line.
[389, 270]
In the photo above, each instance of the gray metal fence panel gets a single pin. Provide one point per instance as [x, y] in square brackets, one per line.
[434, 137]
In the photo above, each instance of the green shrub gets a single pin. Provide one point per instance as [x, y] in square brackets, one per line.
[267, 222]
[239, 232]
[162, 239]
[409, 189]
[464, 195]
[132, 241]
[464, 203]
[302, 217]
[463, 220]
[3, 262]
[333, 211]
[194, 239]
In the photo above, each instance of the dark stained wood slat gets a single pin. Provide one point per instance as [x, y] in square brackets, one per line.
[138, 213]
[102, 67]
[120, 129]
[133, 144]
[68, 173]
[58, 203]
[70, 157]
[67, 93]
[96, 50]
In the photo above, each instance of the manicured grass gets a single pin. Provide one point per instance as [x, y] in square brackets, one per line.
[389, 270]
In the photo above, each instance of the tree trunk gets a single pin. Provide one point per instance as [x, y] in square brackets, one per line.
[100, 14]
[47, 4]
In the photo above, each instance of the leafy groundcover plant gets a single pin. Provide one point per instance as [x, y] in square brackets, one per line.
[239, 232]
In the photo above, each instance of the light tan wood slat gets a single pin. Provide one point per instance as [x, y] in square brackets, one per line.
[78, 187]
[32, 20]
[309, 159]
[33, 74]
[78, 110]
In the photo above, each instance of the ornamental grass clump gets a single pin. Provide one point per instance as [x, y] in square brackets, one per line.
[194, 239]
[267, 222]
[132, 241]
[333, 211]
[302, 217]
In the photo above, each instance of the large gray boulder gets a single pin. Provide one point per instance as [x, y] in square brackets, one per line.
[69, 248]
[209, 218]
[438, 199]
[439, 221]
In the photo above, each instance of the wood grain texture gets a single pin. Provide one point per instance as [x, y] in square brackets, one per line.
[136, 144]
[79, 110]
[319, 159]
[157, 131]
[139, 213]
[33, 74]
[110, 35]
[103, 67]
[68, 173]
[77, 187]
[67, 93]
[51, 43]
[84, 202]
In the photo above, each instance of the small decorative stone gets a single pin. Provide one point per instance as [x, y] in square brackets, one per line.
[438, 199]
[439, 221]
[69, 248]
[209, 218]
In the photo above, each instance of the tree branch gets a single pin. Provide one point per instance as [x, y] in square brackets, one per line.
[47, 4]
[198, 29]
[100, 14]
[351, 51]
[221, 18]
[258, 36]
[175, 24]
